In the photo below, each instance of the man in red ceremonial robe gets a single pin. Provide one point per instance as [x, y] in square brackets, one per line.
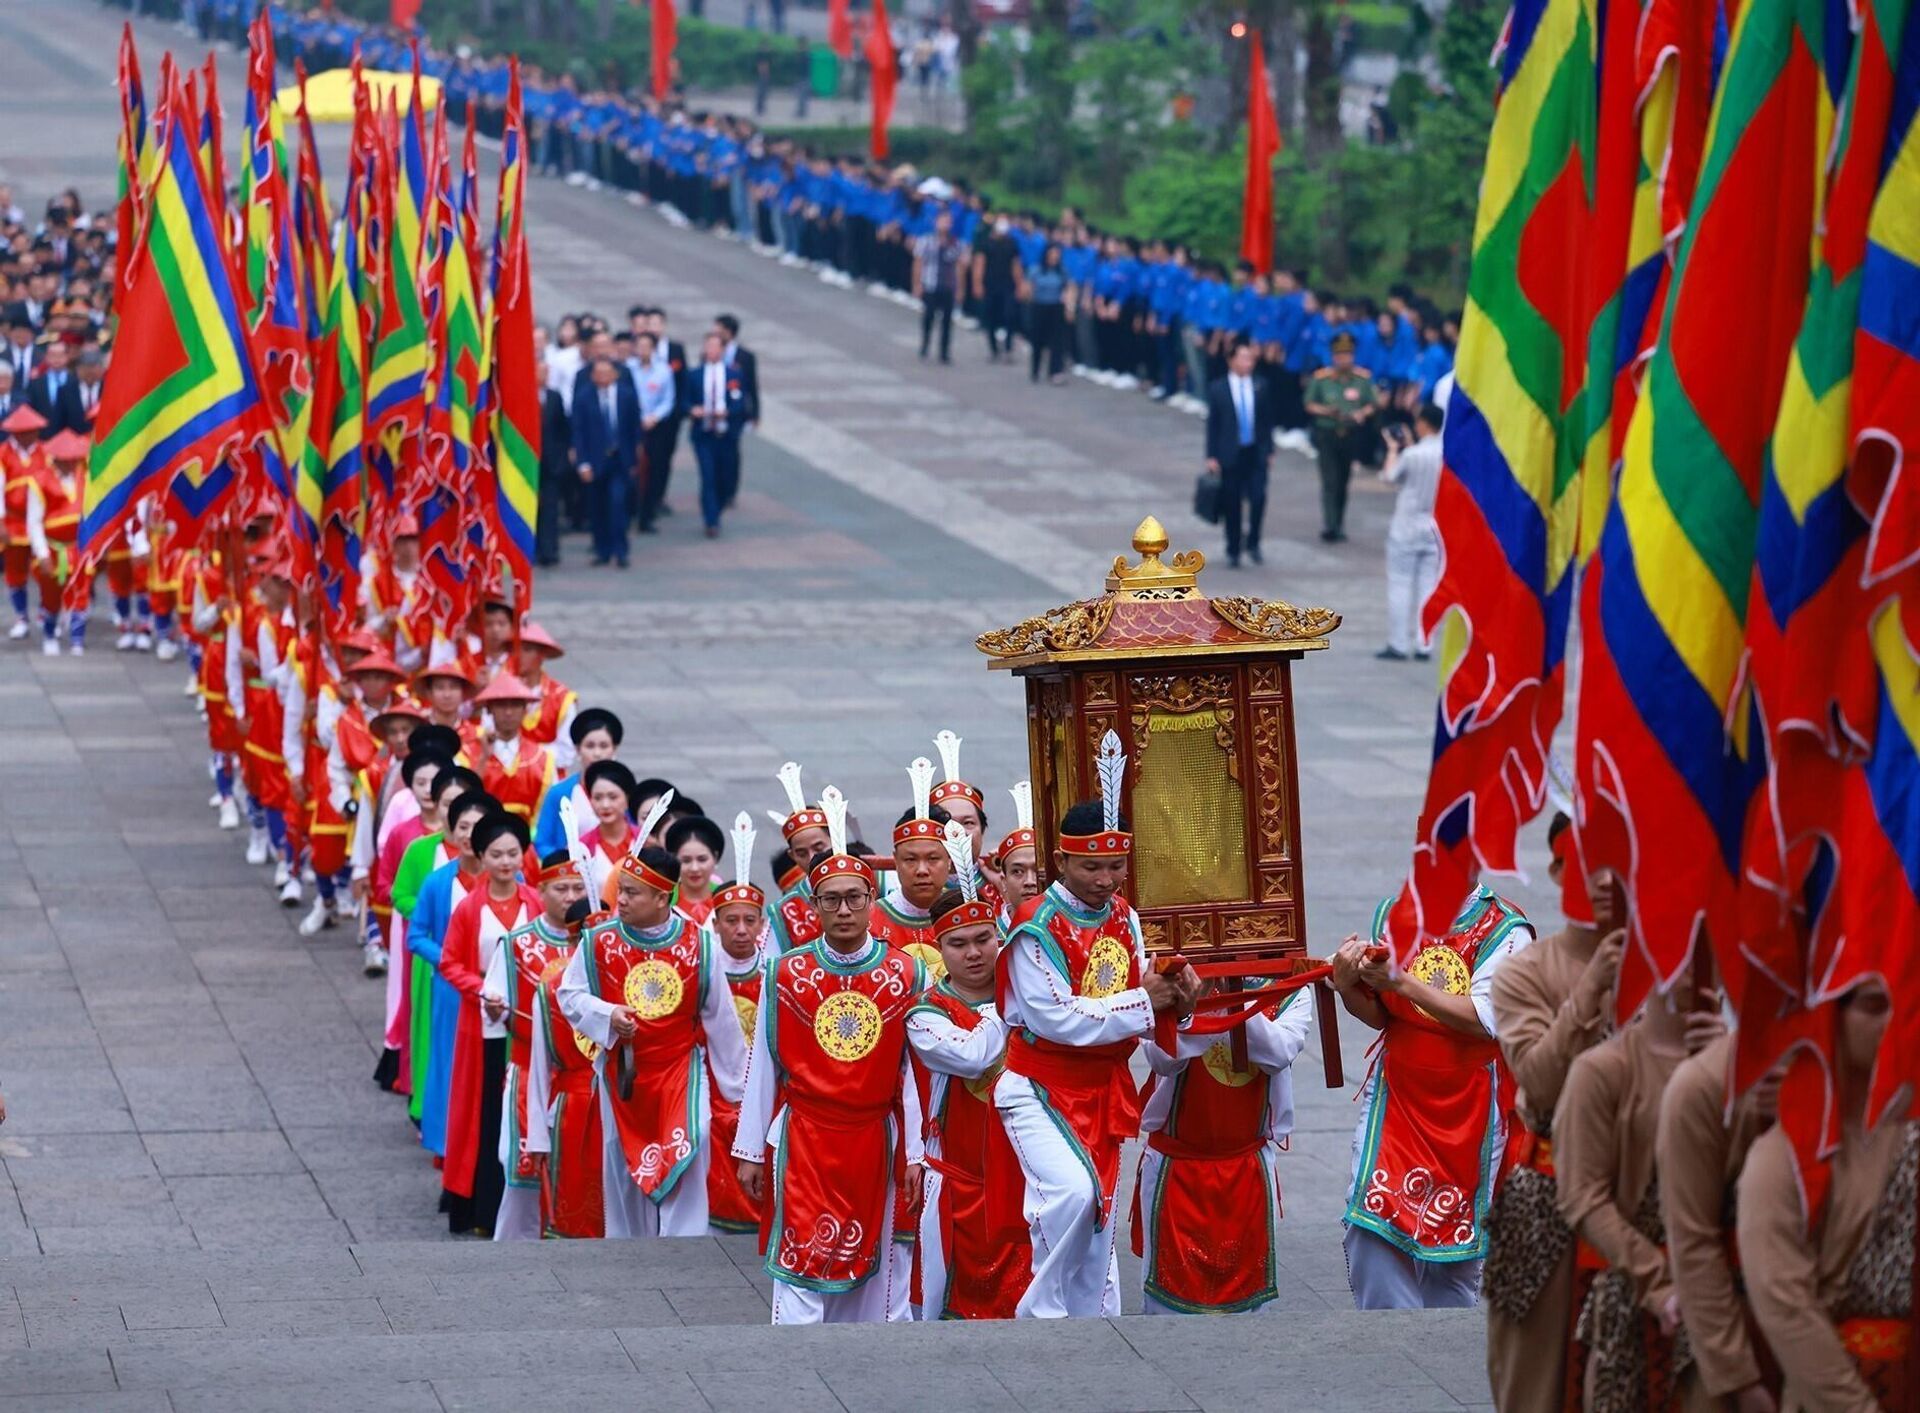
[444, 689]
[739, 922]
[793, 921]
[974, 1262]
[1432, 1134]
[1077, 994]
[397, 600]
[530, 957]
[830, 1092]
[23, 462]
[517, 771]
[562, 1112]
[549, 721]
[649, 980]
[1209, 1193]
[474, 1175]
[260, 656]
[921, 869]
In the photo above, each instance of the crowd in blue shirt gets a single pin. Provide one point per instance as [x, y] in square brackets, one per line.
[1143, 314]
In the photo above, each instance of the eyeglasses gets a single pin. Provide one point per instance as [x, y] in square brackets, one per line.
[842, 902]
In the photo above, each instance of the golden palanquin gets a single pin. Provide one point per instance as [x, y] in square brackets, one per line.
[1200, 689]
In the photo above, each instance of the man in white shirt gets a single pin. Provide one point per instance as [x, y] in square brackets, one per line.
[1413, 542]
[654, 379]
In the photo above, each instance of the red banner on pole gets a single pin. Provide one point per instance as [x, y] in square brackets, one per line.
[1263, 145]
[884, 65]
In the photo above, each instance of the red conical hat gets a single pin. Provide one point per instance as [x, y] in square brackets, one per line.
[505, 687]
[376, 661]
[69, 445]
[532, 635]
[24, 419]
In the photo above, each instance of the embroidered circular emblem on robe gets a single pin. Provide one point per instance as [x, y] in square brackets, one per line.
[928, 956]
[653, 989]
[847, 1025]
[551, 973]
[1441, 968]
[586, 1047]
[1106, 973]
[748, 1010]
[1219, 1062]
[981, 1086]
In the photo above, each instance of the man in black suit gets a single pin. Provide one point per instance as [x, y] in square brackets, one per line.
[741, 360]
[606, 450]
[21, 353]
[716, 404]
[11, 394]
[52, 392]
[559, 487]
[677, 360]
[1240, 424]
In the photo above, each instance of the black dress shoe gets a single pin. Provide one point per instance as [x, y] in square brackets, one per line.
[621, 562]
[1233, 561]
[1253, 553]
[1391, 655]
[600, 562]
[649, 529]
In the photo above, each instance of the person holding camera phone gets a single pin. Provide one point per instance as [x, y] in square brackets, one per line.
[1413, 540]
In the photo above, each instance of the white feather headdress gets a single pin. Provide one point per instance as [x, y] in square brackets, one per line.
[921, 774]
[743, 836]
[1022, 804]
[966, 875]
[948, 745]
[833, 804]
[1111, 766]
[789, 778]
[650, 823]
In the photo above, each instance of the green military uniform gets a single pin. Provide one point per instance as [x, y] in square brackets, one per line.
[1339, 439]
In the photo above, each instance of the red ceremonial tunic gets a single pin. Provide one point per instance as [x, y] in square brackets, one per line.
[988, 1268]
[1426, 1164]
[262, 764]
[1088, 1088]
[571, 1197]
[1213, 1211]
[542, 723]
[912, 935]
[795, 921]
[839, 1034]
[518, 785]
[535, 958]
[19, 467]
[663, 982]
[327, 826]
[407, 609]
[203, 580]
[728, 1206]
[464, 969]
[355, 739]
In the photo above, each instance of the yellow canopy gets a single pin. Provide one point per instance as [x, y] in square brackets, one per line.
[330, 95]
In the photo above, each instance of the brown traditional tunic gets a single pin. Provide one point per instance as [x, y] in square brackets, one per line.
[1542, 1028]
[1604, 1152]
[1858, 1261]
[1700, 1156]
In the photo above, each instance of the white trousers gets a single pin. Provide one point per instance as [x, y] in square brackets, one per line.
[933, 1256]
[1413, 567]
[1152, 1165]
[1076, 1268]
[519, 1218]
[1384, 1277]
[629, 1211]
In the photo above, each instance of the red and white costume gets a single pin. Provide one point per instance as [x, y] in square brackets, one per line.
[1070, 993]
[655, 1143]
[517, 773]
[1431, 1141]
[729, 1208]
[974, 1263]
[1209, 1192]
[830, 1092]
[563, 1120]
[529, 958]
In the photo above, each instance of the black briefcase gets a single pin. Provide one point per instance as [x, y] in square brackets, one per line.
[1206, 498]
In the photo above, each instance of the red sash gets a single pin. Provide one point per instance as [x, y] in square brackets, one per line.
[1089, 1089]
[839, 1035]
[659, 1124]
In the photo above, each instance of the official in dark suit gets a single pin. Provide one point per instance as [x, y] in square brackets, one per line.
[21, 353]
[716, 406]
[54, 394]
[1240, 421]
[606, 451]
[559, 486]
[741, 359]
[11, 394]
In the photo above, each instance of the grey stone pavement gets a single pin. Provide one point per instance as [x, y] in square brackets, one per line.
[203, 1198]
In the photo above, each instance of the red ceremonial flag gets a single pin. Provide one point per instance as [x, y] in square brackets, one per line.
[884, 64]
[1263, 145]
[404, 13]
[666, 34]
[839, 29]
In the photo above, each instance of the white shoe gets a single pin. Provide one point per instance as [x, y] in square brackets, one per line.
[373, 959]
[124, 643]
[1126, 382]
[166, 650]
[143, 642]
[229, 814]
[281, 873]
[78, 650]
[192, 686]
[318, 917]
[1160, 395]
[257, 846]
[290, 893]
[19, 630]
[1079, 370]
[50, 647]
[215, 800]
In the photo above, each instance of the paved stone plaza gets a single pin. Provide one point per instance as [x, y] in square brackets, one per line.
[204, 1201]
